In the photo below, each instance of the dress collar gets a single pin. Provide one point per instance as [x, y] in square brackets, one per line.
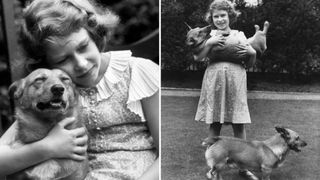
[118, 63]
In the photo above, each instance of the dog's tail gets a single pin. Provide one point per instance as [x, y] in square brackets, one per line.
[210, 141]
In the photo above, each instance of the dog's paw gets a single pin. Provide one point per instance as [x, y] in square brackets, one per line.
[247, 174]
[213, 176]
[209, 175]
[44, 171]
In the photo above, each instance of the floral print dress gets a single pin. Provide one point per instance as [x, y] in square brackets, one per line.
[223, 95]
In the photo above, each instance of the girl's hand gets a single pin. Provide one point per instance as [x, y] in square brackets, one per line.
[236, 51]
[63, 143]
[247, 52]
[251, 51]
[241, 51]
[216, 40]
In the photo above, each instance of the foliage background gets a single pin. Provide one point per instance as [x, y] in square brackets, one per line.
[138, 18]
[293, 39]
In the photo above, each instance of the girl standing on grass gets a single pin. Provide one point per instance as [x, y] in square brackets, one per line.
[118, 93]
[223, 98]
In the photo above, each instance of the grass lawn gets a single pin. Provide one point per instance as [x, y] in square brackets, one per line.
[256, 81]
[182, 156]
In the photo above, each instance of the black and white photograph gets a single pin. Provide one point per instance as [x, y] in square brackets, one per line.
[240, 89]
[159, 90]
[80, 90]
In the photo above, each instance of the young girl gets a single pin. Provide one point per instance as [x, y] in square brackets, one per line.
[118, 92]
[223, 98]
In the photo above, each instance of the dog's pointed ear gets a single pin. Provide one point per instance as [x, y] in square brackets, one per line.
[16, 89]
[284, 133]
[209, 141]
[257, 27]
[189, 27]
[265, 27]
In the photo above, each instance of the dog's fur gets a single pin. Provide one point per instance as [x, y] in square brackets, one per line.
[42, 99]
[263, 156]
[197, 37]
[259, 40]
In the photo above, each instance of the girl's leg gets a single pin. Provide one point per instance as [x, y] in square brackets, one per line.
[239, 131]
[214, 129]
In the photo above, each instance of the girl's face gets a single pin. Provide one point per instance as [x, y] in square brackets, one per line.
[77, 55]
[220, 19]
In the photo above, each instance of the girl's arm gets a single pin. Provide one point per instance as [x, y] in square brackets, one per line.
[59, 143]
[150, 107]
[248, 50]
[252, 56]
[213, 40]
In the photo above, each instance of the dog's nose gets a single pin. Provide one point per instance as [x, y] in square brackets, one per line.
[57, 90]
[304, 143]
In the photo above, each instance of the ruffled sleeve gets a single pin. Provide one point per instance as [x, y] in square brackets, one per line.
[144, 80]
[144, 83]
[119, 62]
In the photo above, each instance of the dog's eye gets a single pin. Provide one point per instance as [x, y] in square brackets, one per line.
[65, 79]
[40, 79]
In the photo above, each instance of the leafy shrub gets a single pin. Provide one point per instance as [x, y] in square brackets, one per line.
[175, 55]
[293, 35]
[138, 19]
[293, 39]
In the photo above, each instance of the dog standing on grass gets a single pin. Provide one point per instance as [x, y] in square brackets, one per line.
[263, 156]
[42, 99]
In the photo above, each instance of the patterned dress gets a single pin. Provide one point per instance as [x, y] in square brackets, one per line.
[120, 145]
[223, 95]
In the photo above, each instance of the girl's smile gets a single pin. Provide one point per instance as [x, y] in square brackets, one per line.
[78, 55]
[220, 19]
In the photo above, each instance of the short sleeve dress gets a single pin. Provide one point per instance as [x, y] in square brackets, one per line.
[120, 145]
[223, 95]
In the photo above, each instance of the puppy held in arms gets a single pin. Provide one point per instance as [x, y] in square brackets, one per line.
[42, 99]
[197, 37]
[262, 156]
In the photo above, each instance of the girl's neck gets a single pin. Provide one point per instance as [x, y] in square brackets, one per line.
[226, 30]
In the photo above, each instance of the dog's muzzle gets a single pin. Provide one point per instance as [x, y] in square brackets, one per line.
[56, 101]
[53, 104]
[57, 90]
[296, 147]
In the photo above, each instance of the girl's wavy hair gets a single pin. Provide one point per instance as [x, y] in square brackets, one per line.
[222, 5]
[43, 19]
